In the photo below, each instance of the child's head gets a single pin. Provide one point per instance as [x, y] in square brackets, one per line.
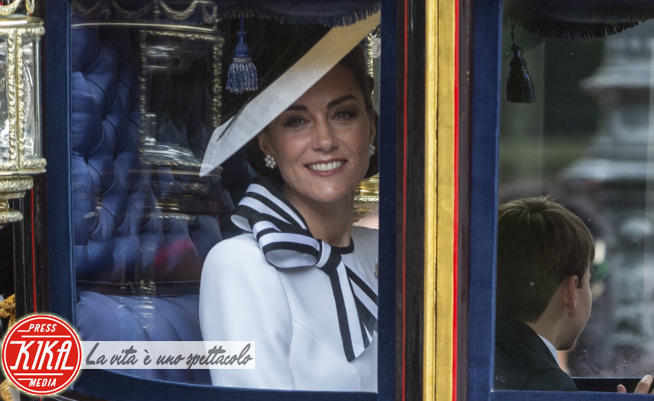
[541, 246]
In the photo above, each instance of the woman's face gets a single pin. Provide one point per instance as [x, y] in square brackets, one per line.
[321, 142]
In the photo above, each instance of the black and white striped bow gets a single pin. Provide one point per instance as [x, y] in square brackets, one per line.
[286, 242]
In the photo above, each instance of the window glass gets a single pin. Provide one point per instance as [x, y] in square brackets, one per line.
[144, 101]
[587, 140]
[147, 91]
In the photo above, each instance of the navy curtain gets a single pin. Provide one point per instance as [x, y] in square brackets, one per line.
[330, 13]
[576, 19]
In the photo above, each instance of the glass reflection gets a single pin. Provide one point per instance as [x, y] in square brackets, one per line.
[4, 106]
[27, 91]
[589, 141]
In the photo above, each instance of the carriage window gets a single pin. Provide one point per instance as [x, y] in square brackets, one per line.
[588, 141]
[149, 85]
[144, 101]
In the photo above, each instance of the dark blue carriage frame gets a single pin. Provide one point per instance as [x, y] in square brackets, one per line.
[485, 72]
[484, 144]
[109, 385]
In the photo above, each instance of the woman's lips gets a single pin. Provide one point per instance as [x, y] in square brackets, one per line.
[326, 167]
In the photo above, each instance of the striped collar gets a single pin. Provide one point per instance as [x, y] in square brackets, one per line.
[286, 242]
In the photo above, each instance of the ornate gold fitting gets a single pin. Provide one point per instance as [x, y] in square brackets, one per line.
[366, 197]
[7, 311]
[20, 106]
[5, 391]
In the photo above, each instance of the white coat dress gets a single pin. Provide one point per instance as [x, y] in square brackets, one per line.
[290, 315]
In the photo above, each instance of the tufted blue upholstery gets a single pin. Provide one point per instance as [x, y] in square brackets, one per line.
[120, 237]
[104, 128]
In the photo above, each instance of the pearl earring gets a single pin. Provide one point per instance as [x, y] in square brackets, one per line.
[270, 162]
[371, 150]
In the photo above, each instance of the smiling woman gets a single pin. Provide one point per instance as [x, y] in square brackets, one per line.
[300, 282]
[322, 145]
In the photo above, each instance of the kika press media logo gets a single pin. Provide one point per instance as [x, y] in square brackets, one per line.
[41, 354]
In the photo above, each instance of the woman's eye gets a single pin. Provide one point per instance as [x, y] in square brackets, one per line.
[344, 115]
[293, 122]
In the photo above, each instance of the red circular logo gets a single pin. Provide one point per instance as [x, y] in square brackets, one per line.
[41, 354]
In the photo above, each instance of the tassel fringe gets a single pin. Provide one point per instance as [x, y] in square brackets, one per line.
[242, 76]
[519, 88]
[242, 73]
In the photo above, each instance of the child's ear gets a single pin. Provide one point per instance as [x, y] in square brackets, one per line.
[570, 286]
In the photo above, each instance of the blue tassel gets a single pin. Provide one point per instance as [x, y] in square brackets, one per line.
[519, 87]
[242, 73]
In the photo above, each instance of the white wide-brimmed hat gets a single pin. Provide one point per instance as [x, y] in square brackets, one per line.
[281, 93]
